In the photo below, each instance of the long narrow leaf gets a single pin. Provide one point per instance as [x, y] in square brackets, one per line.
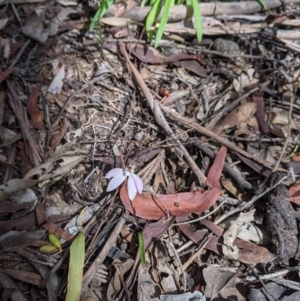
[77, 253]
[151, 3]
[198, 19]
[142, 248]
[164, 20]
[152, 17]
[263, 4]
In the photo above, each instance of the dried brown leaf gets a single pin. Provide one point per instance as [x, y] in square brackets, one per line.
[32, 107]
[237, 117]
[5, 74]
[23, 223]
[28, 277]
[157, 206]
[115, 284]
[260, 114]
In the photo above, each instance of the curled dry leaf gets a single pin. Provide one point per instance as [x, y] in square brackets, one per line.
[249, 252]
[155, 207]
[34, 27]
[230, 250]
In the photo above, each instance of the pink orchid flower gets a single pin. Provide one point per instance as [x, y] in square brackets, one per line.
[119, 175]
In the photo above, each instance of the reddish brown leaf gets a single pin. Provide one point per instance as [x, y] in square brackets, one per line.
[40, 213]
[155, 207]
[193, 66]
[294, 194]
[15, 47]
[189, 229]
[32, 107]
[59, 232]
[296, 158]
[63, 234]
[155, 230]
[25, 163]
[260, 114]
[5, 74]
[57, 137]
[23, 223]
[8, 207]
[249, 252]
[149, 55]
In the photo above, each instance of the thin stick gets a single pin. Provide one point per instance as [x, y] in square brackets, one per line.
[19, 54]
[160, 118]
[172, 114]
[200, 218]
[196, 254]
[274, 275]
[248, 204]
[290, 81]
[88, 276]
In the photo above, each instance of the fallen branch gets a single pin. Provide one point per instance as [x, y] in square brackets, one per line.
[172, 114]
[180, 12]
[16, 105]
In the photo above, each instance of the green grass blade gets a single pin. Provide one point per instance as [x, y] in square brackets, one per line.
[75, 274]
[152, 17]
[263, 4]
[151, 3]
[198, 19]
[164, 20]
[188, 2]
[142, 248]
[104, 5]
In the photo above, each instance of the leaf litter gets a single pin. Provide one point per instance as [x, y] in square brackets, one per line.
[204, 126]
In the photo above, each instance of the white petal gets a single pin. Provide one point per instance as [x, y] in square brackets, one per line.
[114, 172]
[138, 183]
[115, 182]
[131, 188]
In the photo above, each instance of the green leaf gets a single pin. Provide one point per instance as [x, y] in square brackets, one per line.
[152, 2]
[198, 19]
[152, 17]
[188, 2]
[77, 253]
[142, 248]
[164, 20]
[104, 5]
[54, 240]
[263, 4]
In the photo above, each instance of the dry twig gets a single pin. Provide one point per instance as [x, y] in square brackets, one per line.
[160, 119]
